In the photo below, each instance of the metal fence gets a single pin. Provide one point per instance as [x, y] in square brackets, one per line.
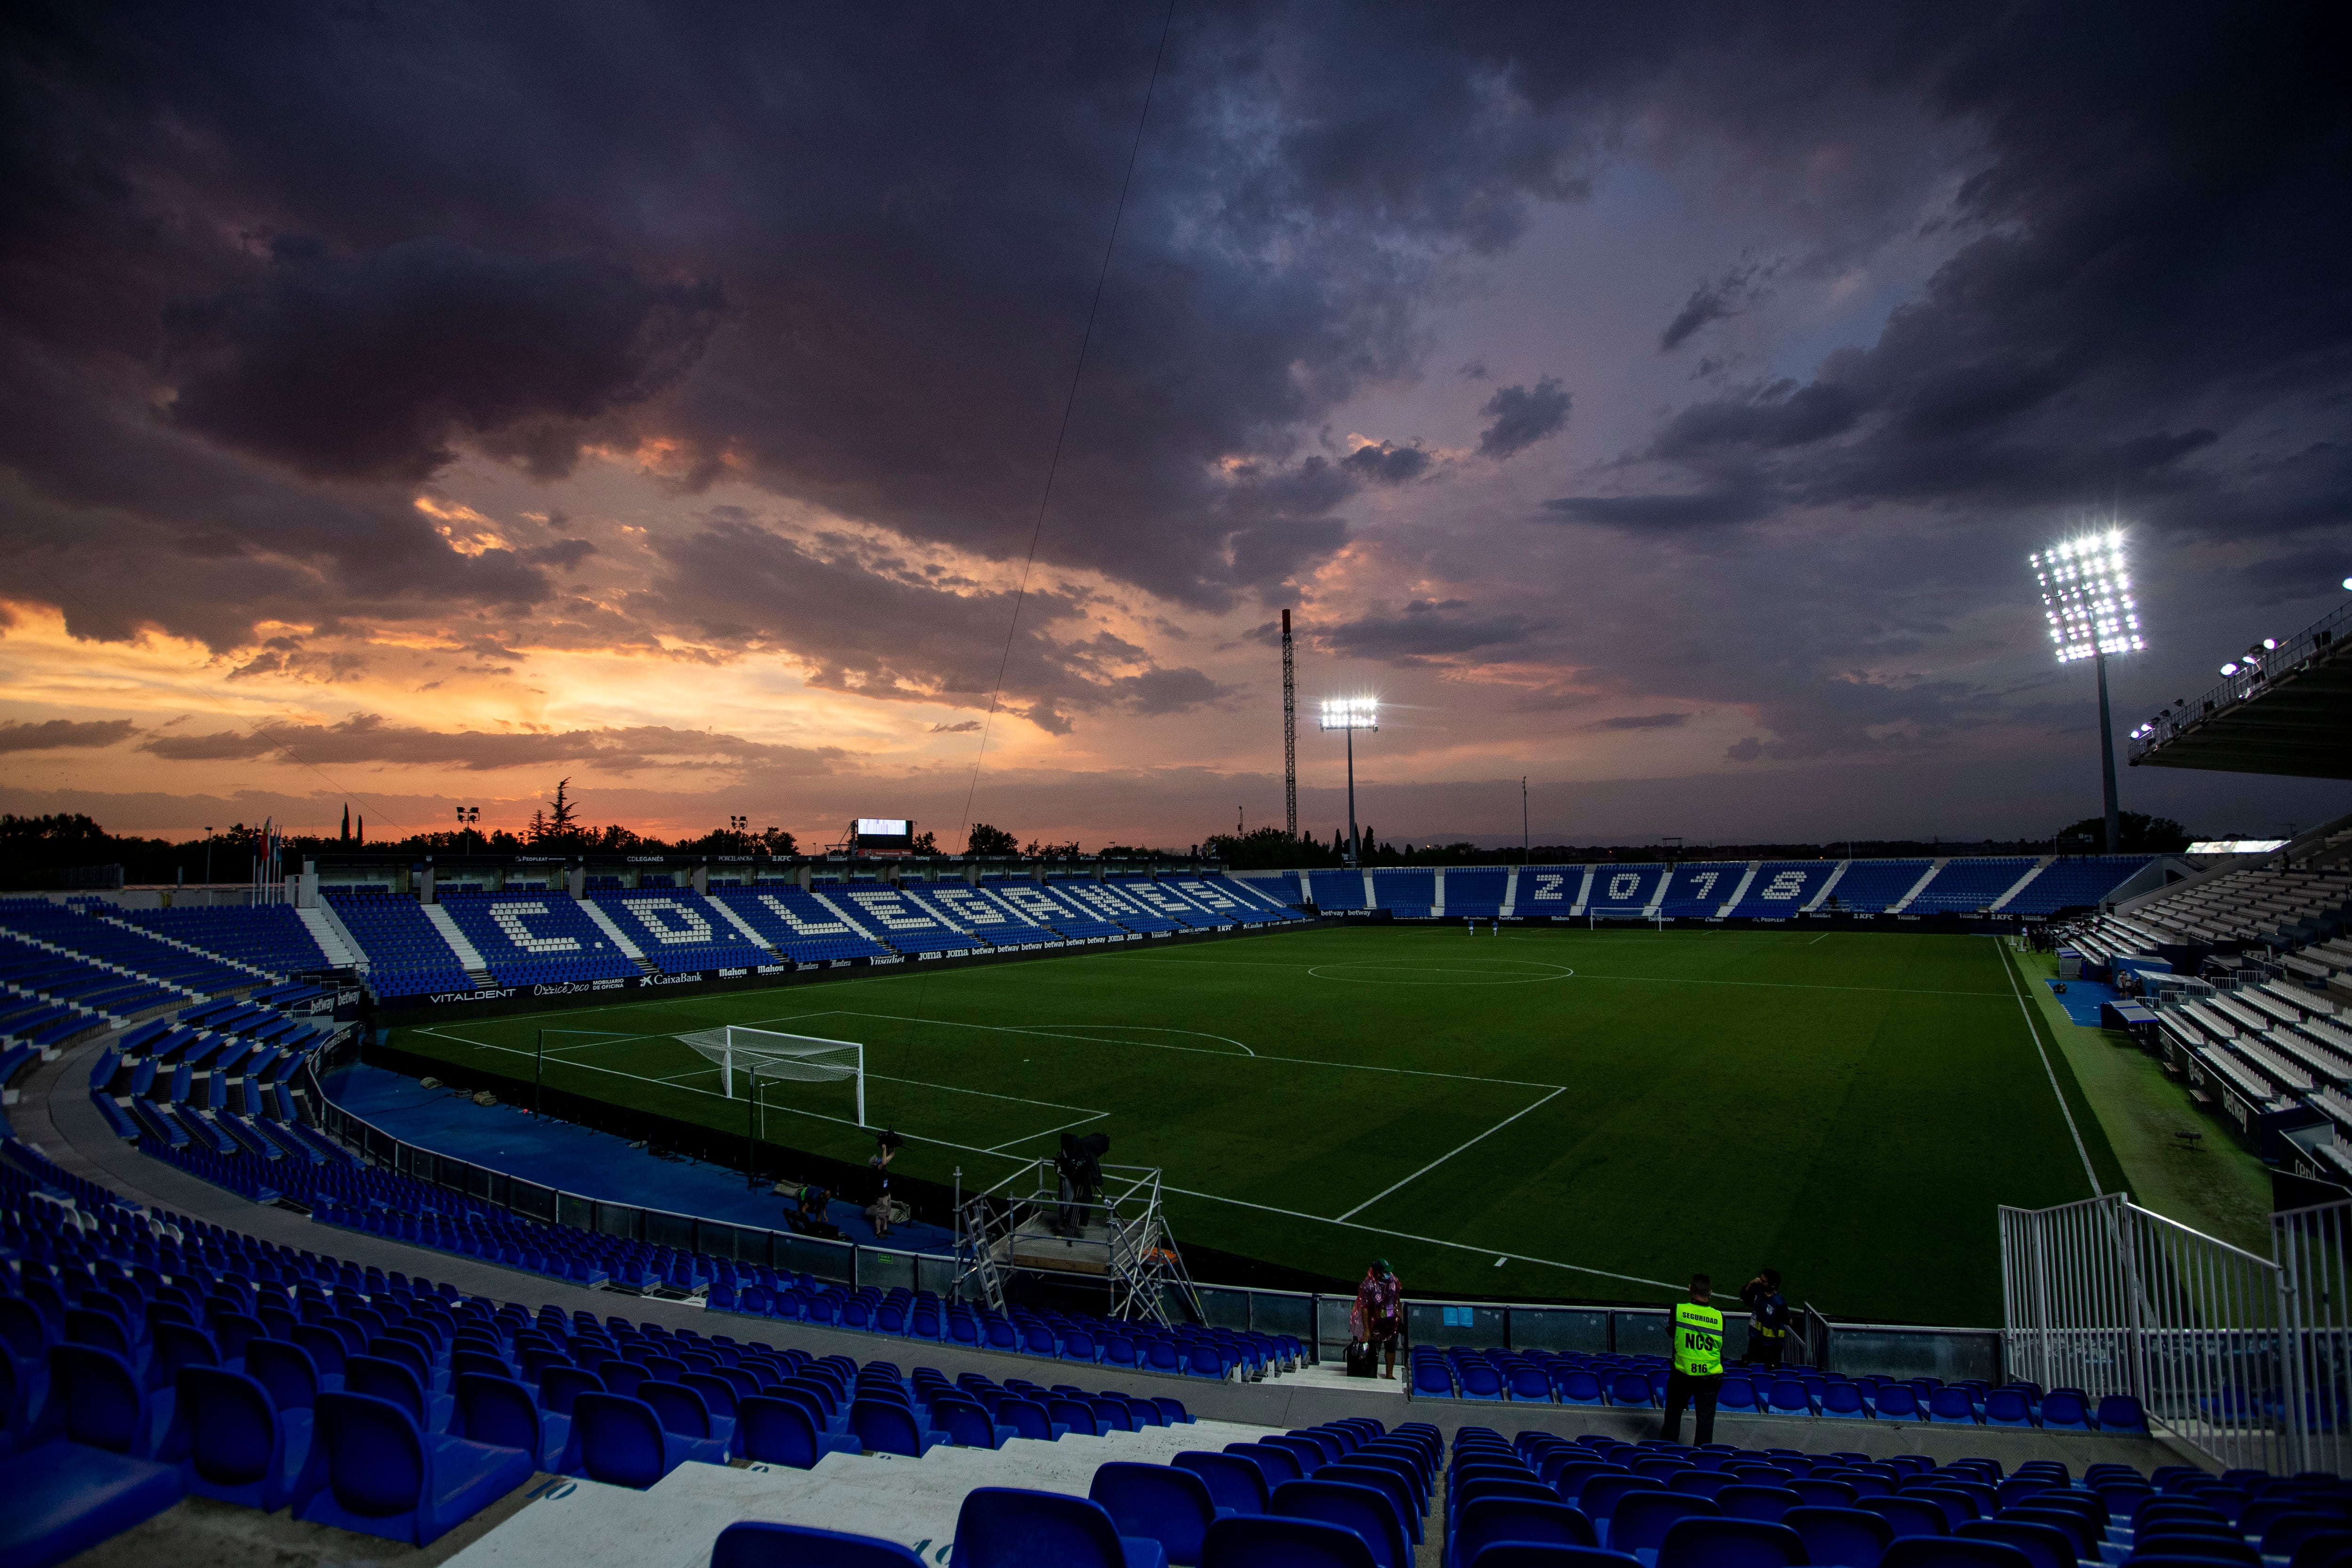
[2240, 1356]
[837, 1262]
[2316, 1284]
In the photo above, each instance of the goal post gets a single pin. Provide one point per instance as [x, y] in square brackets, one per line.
[773, 1054]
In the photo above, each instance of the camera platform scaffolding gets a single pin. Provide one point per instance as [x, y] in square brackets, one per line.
[1014, 1227]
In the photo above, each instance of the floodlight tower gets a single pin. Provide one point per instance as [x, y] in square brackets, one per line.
[1351, 714]
[2087, 593]
[1289, 736]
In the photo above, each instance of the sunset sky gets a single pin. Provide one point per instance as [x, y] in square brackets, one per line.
[409, 407]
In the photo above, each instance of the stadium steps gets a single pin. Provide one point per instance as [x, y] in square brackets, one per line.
[1837, 875]
[1747, 881]
[209, 955]
[2023, 882]
[750, 933]
[470, 957]
[907, 1500]
[611, 928]
[329, 933]
[1919, 887]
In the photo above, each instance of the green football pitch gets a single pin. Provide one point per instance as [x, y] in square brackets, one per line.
[1548, 1113]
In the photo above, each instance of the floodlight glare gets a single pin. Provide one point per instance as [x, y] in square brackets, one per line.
[1351, 714]
[2229, 669]
[2086, 595]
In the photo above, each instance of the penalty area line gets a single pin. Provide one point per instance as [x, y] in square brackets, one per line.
[1417, 1175]
[1427, 1240]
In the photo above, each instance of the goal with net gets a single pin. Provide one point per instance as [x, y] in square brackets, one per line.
[771, 1054]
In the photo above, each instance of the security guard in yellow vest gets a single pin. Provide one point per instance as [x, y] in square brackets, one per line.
[1698, 1374]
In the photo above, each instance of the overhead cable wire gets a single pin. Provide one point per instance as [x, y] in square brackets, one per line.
[1062, 433]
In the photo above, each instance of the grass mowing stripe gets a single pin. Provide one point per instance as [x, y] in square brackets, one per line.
[1851, 1114]
[2009, 969]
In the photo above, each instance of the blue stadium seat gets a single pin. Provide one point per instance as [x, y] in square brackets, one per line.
[65, 1498]
[798, 926]
[621, 1441]
[1951, 1551]
[537, 938]
[1698, 889]
[679, 930]
[886, 1427]
[1488, 1519]
[1269, 1541]
[1235, 1484]
[1848, 1537]
[1640, 1521]
[1908, 1515]
[240, 1450]
[1781, 888]
[1625, 892]
[760, 1544]
[1004, 1527]
[1731, 1543]
[1966, 886]
[95, 1399]
[377, 1473]
[1159, 1502]
[1869, 887]
[1359, 1509]
[2045, 1546]
[500, 1412]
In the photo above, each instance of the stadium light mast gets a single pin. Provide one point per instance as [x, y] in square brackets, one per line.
[1289, 736]
[2086, 594]
[1351, 714]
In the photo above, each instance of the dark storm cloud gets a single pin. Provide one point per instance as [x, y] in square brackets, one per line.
[1428, 630]
[367, 738]
[2142, 299]
[1640, 721]
[1383, 463]
[366, 367]
[1712, 301]
[863, 620]
[1704, 509]
[2146, 307]
[1522, 416]
[59, 734]
[836, 251]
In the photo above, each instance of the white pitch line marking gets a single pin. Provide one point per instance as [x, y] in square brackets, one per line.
[1490, 1131]
[1424, 1240]
[1196, 1050]
[794, 1110]
[2006, 968]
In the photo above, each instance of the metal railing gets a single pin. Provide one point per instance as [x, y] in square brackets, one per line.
[1121, 1236]
[2222, 1348]
[2255, 674]
[853, 1264]
[2316, 1284]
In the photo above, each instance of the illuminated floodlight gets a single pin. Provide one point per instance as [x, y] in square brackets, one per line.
[2086, 594]
[1351, 713]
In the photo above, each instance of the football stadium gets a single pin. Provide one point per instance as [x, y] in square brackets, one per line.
[543, 1196]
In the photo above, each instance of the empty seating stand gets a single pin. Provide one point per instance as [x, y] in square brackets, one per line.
[797, 926]
[536, 938]
[406, 955]
[1699, 888]
[678, 930]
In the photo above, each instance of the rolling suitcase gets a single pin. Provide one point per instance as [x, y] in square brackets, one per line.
[1362, 1359]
